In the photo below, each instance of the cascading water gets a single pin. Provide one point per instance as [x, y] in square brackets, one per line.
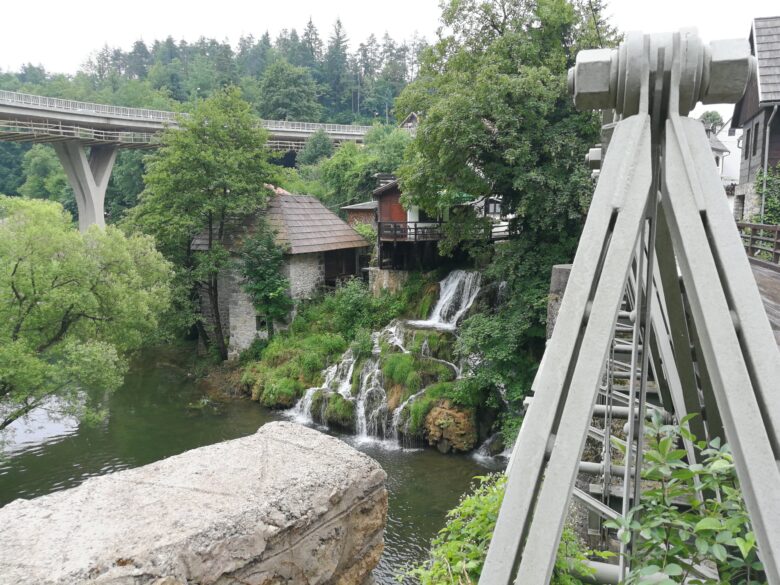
[372, 417]
[457, 293]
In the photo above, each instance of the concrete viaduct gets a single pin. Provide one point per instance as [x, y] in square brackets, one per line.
[71, 127]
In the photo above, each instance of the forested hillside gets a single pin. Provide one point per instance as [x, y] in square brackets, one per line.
[306, 76]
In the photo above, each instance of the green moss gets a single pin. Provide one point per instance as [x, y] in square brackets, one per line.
[421, 406]
[340, 411]
[317, 401]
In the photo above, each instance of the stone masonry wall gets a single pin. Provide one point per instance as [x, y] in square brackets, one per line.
[285, 505]
[381, 279]
[305, 273]
[752, 207]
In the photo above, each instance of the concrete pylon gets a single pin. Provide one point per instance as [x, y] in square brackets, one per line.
[88, 176]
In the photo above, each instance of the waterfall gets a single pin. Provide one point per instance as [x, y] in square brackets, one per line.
[457, 292]
[372, 418]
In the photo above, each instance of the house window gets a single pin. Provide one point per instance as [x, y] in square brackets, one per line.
[493, 207]
[260, 323]
[746, 145]
[755, 139]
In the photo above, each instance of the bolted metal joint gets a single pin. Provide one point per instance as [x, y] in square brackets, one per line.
[593, 80]
[730, 66]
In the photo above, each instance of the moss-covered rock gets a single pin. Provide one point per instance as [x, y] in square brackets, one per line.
[451, 428]
[318, 403]
[340, 412]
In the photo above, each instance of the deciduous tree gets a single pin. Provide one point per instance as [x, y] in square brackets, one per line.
[72, 306]
[208, 175]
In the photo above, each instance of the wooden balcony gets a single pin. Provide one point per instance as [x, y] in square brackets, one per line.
[409, 231]
[431, 231]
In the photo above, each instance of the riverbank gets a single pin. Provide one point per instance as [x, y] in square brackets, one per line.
[151, 417]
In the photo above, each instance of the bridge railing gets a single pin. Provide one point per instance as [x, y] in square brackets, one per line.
[89, 108]
[63, 105]
[761, 241]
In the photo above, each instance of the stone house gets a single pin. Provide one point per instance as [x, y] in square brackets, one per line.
[321, 250]
[757, 115]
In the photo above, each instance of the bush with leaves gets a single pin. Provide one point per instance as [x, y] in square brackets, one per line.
[771, 195]
[694, 514]
[458, 552]
[261, 265]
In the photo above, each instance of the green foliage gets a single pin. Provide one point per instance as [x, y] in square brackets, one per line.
[288, 93]
[318, 146]
[261, 265]
[771, 195]
[713, 118]
[399, 368]
[711, 525]
[348, 175]
[289, 364]
[254, 352]
[72, 306]
[421, 406]
[340, 411]
[207, 174]
[362, 344]
[321, 331]
[458, 552]
[45, 178]
[366, 230]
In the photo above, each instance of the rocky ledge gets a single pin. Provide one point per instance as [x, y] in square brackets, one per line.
[285, 505]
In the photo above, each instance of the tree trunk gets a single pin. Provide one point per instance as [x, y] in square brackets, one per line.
[213, 292]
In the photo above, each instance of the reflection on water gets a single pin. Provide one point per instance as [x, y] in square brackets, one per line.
[153, 416]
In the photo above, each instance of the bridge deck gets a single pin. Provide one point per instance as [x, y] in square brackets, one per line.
[35, 118]
[768, 282]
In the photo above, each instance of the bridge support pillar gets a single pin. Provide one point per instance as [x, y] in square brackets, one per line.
[88, 176]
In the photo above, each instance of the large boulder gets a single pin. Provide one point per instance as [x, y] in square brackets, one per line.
[285, 505]
[451, 428]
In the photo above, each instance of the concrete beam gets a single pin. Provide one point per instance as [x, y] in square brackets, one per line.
[88, 176]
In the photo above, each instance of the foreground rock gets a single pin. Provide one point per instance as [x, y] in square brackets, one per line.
[285, 505]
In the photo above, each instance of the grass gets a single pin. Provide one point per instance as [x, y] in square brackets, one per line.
[419, 408]
[292, 361]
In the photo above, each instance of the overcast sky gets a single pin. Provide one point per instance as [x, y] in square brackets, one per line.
[60, 34]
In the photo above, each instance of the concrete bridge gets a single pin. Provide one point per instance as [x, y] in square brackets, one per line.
[71, 126]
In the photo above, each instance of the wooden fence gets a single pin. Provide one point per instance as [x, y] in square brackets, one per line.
[762, 243]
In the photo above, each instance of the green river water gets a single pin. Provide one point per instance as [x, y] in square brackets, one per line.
[149, 419]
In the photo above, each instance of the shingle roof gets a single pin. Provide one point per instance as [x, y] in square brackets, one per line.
[358, 206]
[302, 224]
[766, 43]
[386, 187]
[305, 225]
[716, 145]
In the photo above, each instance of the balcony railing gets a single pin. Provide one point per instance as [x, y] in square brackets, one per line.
[427, 231]
[409, 231]
[762, 243]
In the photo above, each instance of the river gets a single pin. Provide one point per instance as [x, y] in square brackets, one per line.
[150, 417]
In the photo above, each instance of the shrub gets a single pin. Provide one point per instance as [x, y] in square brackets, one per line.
[458, 552]
[713, 527]
[362, 345]
[280, 391]
[421, 406]
[398, 367]
[252, 353]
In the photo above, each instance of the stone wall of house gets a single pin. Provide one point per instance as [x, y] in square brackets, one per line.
[285, 505]
[305, 273]
[752, 201]
[380, 279]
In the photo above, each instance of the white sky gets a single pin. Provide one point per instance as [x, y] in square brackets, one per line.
[61, 34]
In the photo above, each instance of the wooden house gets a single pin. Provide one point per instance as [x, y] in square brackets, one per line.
[757, 115]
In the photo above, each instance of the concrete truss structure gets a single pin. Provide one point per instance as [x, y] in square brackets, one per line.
[661, 260]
